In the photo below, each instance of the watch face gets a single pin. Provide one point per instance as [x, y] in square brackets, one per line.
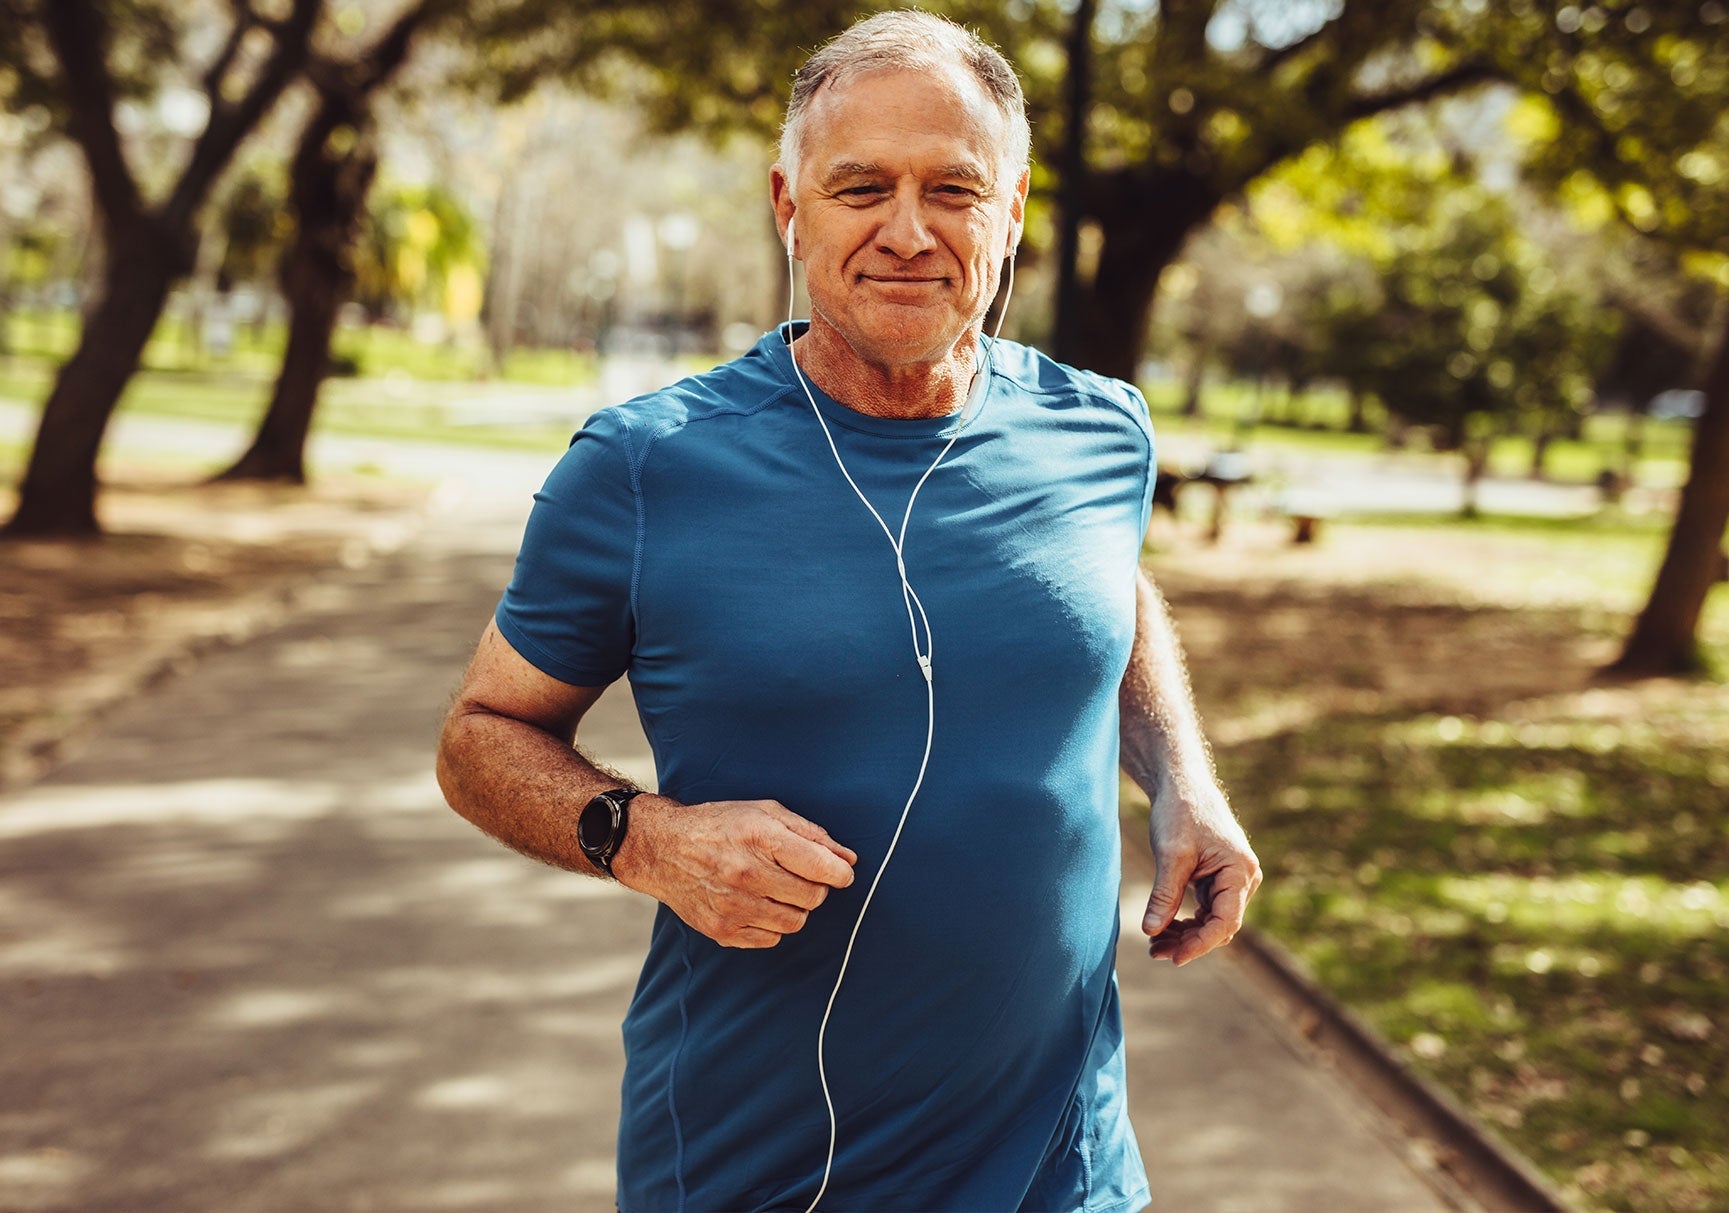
[594, 827]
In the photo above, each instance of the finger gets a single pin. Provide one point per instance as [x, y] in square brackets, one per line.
[1218, 928]
[1167, 896]
[747, 937]
[778, 884]
[1204, 887]
[1170, 941]
[805, 828]
[775, 916]
[1169, 946]
[803, 857]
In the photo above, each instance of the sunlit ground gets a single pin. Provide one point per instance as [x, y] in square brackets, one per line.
[1520, 879]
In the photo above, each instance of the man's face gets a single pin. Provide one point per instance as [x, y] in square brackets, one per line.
[904, 210]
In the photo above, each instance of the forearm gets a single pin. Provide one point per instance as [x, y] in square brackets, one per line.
[520, 784]
[1163, 749]
[1196, 840]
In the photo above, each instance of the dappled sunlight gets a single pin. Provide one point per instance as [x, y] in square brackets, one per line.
[243, 938]
[1597, 902]
[269, 1124]
[1516, 874]
[43, 1178]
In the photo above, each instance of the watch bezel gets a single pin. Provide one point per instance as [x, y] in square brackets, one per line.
[601, 851]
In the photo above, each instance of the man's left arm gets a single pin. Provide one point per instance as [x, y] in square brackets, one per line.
[1197, 841]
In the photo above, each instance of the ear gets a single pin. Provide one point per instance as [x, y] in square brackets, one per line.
[780, 197]
[1018, 211]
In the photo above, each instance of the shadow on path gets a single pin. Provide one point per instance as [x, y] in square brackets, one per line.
[250, 962]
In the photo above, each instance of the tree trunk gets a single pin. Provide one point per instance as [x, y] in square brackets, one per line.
[1145, 222]
[1196, 378]
[1071, 189]
[278, 451]
[58, 496]
[1476, 453]
[1540, 452]
[1359, 423]
[329, 193]
[1664, 639]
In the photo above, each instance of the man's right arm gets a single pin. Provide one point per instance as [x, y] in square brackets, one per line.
[744, 873]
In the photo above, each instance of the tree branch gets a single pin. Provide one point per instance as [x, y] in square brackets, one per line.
[1471, 71]
[229, 124]
[1273, 60]
[1182, 35]
[389, 53]
[78, 34]
[245, 20]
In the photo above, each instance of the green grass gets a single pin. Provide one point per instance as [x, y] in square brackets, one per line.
[1229, 410]
[1520, 880]
[396, 406]
[1537, 913]
[378, 352]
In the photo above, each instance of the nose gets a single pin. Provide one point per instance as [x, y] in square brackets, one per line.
[904, 231]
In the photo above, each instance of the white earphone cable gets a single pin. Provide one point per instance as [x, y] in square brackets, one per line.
[911, 599]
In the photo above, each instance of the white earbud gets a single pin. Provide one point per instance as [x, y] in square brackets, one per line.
[789, 239]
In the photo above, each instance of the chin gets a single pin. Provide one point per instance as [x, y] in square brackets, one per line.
[915, 333]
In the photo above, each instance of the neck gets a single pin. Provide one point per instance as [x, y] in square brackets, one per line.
[907, 391]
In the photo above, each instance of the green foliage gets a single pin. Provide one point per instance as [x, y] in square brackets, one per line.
[419, 242]
[1535, 911]
[1437, 298]
[1628, 113]
[146, 40]
[254, 224]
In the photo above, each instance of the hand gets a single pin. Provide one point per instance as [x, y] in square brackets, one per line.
[1197, 843]
[742, 872]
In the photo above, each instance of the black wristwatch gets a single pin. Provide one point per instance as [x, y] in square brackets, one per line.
[601, 826]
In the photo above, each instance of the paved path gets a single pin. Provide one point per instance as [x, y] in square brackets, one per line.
[249, 962]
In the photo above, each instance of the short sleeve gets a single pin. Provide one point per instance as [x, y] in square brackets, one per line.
[567, 609]
[1144, 418]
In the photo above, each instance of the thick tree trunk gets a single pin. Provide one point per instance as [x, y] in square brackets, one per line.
[278, 451]
[329, 192]
[58, 496]
[1664, 639]
[1145, 223]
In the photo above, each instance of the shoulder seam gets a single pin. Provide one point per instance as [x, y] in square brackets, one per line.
[638, 460]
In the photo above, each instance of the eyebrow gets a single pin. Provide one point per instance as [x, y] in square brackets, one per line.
[846, 169]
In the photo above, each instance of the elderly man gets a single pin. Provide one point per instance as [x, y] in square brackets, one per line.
[875, 585]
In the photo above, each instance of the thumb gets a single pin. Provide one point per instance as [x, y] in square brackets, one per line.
[1167, 897]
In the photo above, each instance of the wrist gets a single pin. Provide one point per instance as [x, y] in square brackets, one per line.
[633, 865]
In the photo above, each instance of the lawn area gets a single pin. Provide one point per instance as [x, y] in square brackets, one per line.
[1518, 876]
[1228, 407]
[375, 351]
[500, 414]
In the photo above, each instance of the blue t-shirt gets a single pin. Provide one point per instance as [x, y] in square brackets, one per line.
[701, 540]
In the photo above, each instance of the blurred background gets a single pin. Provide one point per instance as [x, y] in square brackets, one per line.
[1428, 297]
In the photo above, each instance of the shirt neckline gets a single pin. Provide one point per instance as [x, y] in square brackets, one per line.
[777, 344]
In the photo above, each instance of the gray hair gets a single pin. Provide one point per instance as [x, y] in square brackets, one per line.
[907, 39]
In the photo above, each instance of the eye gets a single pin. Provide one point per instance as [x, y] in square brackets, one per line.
[862, 191]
